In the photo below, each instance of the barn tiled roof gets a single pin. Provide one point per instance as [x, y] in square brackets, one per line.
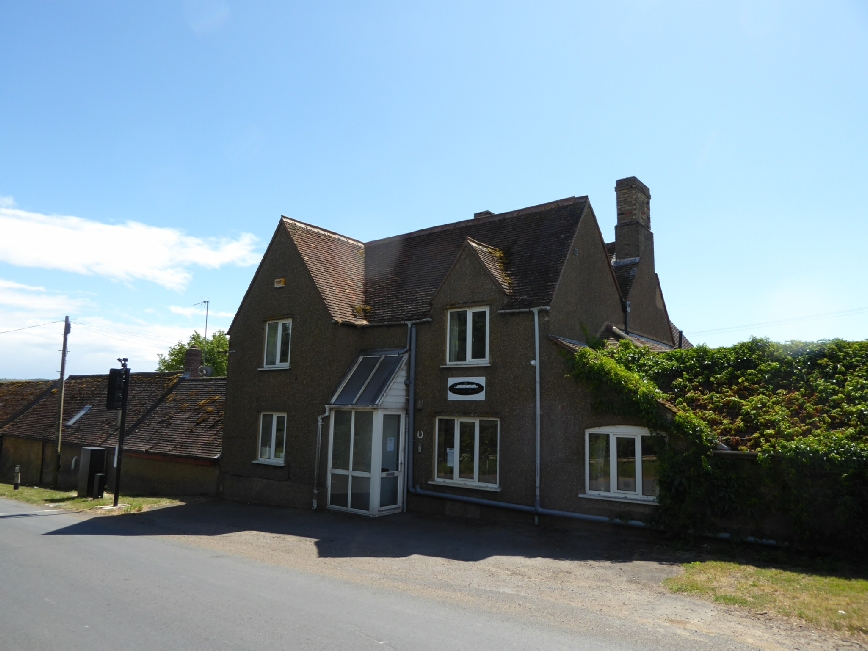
[685, 343]
[188, 421]
[494, 261]
[625, 274]
[613, 334]
[337, 265]
[98, 426]
[16, 395]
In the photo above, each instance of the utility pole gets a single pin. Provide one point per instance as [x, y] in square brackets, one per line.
[66, 328]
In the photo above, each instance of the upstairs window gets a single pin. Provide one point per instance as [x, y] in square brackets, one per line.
[621, 462]
[467, 336]
[277, 343]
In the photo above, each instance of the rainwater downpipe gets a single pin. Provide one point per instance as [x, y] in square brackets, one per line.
[536, 502]
[411, 411]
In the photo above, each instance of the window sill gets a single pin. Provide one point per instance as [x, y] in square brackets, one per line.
[465, 365]
[619, 498]
[265, 462]
[273, 368]
[465, 484]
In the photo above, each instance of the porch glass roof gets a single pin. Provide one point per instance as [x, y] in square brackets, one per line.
[368, 378]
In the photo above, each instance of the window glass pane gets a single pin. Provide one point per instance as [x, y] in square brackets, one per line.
[284, 342]
[341, 440]
[479, 335]
[458, 336]
[271, 344]
[466, 449]
[363, 435]
[649, 466]
[391, 438]
[279, 437]
[445, 448]
[388, 491]
[626, 450]
[356, 381]
[338, 495]
[488, 451]
[379, 379]
[598, 462]
[361, 493]
[265, 436]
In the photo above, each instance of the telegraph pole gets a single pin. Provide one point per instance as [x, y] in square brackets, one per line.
[66, 329]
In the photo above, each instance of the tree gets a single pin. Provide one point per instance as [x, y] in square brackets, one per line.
[215, 353]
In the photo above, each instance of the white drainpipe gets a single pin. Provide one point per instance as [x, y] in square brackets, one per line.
[318, 446]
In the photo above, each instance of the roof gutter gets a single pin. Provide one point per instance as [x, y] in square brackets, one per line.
[525, 310]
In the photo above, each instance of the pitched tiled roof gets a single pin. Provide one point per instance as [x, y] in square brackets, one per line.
[613, 334]
[625, 274]
[403, 273]
[97, 426]
[337, 265]
[15, 395]
[494, 261]
[568, 344]
[685, 343]
[188, 421]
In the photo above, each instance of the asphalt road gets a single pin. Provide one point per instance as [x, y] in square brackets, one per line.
[65, 590]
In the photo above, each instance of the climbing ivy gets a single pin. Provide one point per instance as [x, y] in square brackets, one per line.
[802, 407]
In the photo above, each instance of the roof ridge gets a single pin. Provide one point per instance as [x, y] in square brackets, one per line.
[322, 230]
[481, 220]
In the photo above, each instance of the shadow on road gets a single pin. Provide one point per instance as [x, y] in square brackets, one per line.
[339, 535]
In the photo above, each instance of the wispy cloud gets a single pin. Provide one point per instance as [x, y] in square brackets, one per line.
[198, 311]
[37, 301]
[7, 202]
[125, 252]
[205, 15]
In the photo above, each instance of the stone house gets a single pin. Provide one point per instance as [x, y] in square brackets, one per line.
[426, 371]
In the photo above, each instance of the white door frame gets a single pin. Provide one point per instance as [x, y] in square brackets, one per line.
[376, 462]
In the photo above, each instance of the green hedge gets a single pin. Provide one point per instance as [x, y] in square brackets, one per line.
[802, 407]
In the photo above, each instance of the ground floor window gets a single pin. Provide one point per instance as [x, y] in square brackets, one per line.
[468, 450]
[622, 461]
[272, 437]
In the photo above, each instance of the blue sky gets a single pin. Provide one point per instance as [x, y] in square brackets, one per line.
[147, 150]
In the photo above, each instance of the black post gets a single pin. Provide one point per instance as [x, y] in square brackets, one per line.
[126, 394]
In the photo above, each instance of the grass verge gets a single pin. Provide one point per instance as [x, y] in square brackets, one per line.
[825, 601]
[70, 500]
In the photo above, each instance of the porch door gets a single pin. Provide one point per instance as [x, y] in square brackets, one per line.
[350, 472]
[391, 447]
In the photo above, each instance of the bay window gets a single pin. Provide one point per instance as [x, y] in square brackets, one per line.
[621, 462]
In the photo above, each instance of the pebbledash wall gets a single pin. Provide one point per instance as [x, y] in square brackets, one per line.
[344, 297]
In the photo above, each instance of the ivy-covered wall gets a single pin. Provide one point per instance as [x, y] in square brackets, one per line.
[802, 407]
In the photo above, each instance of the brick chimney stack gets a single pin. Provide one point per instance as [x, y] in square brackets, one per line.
[192, 362]
[633, 237]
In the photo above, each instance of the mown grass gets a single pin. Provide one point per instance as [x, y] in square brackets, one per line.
[821, 600]
[70, 500]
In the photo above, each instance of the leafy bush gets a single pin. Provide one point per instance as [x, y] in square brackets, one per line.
[803, 407]
[215, 353]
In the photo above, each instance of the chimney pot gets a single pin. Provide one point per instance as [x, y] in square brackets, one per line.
[633, 237]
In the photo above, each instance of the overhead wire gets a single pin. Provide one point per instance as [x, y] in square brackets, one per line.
[32, 326]
[815, 317]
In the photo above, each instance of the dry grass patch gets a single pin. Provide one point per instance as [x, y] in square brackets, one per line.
[822, 600]
[70, 500]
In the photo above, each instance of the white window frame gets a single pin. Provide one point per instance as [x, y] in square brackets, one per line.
[457, 481]
[271, 460]
[282, 324]
[469, 361]
[619, 431]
